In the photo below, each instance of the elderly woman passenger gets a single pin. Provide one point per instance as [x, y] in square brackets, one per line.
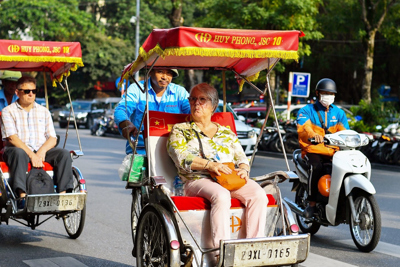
[220, 145]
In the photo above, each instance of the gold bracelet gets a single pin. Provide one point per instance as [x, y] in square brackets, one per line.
[206, 164]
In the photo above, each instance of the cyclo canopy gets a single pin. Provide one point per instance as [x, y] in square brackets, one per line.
[245, 52]
[57, 58]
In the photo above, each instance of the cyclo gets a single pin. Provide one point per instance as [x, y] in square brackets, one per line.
[58, 59]
[175, 230]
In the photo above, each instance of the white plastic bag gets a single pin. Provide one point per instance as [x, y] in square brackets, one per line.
[123, 170]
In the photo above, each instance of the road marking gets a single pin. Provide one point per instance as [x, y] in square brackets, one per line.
[55, 262]
[382, 247]
[314, 260]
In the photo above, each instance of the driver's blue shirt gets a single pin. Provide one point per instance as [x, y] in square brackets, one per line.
[174, 100]
[3, 99]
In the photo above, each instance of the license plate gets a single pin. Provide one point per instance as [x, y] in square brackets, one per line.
[55, 202]
[266, 253]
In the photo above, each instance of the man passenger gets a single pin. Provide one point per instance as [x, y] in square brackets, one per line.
[29, 131]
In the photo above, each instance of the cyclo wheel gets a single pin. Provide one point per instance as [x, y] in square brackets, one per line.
[306, 225]
[75, 221]
[278, 221]
[367, 232]
[151, 241]
[136, 208]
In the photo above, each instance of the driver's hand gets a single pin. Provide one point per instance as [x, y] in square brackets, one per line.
[129, 130]
[37, 161]
[318, 138]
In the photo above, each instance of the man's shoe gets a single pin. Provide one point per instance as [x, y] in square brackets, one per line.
[309, 212]
[21, 203]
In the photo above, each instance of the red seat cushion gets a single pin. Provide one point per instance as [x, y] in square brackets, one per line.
[199, 203]
[4, 167]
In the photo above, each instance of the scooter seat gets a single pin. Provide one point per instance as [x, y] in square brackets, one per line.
[299, 159]
[303, 163]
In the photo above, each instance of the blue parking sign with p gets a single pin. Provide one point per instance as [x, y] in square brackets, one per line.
[301, 84]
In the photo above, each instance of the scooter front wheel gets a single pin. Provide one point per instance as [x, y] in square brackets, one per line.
[367, 231]
[306, 225]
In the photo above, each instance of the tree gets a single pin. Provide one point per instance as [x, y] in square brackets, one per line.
[264, 15]
[373, 16]
[49, 20]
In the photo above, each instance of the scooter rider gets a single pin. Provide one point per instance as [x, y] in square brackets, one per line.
[314, 121]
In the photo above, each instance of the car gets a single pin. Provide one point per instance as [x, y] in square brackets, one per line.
[53, 109]
[86, 111]
[246, 134]
[40, 101]
[109, 104]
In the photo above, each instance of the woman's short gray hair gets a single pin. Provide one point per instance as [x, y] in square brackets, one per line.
[210, 91]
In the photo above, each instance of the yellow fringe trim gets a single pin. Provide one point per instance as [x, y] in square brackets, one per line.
[250, 79]
[76, 60]
[212, 52]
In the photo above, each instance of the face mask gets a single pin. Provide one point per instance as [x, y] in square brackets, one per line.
[327, 100]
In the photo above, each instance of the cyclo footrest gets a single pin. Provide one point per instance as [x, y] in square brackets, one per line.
[269, 251]
[48, 203]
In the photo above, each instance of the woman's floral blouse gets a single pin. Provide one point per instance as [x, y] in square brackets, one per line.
[183, 146]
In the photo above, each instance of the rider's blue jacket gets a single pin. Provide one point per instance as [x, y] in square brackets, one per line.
[174, 100]
[3, 99]
[308, 125]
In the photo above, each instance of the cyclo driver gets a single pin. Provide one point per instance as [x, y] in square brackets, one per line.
[314, 121]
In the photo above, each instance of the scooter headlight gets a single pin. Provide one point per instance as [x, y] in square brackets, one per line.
[351, 140]
[336, 142]
[365, 141]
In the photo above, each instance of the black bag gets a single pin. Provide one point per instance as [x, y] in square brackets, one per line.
[39, 182]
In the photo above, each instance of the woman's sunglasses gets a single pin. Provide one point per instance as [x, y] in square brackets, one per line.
[202, 100]
[28, 91]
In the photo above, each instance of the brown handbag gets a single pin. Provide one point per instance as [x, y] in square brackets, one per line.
[231, 181]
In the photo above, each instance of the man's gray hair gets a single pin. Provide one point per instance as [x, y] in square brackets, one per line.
[210, 91]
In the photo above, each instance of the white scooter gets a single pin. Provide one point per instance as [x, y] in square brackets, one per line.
[349, 198]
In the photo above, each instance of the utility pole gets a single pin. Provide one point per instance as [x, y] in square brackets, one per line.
[137, 35]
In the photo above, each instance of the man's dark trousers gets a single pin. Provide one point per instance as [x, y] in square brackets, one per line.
[17, 161]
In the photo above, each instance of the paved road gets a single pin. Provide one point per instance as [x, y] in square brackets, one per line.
[106, 238]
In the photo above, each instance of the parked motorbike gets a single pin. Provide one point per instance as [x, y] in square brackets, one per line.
[103, 125]
[291, 138]
[346, 194]
[269, 135]
[390, 152]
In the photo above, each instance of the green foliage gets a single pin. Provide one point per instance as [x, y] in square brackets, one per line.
[104, 57]
[44, 20]
[264, 15]
[153, 14]
[373, 114]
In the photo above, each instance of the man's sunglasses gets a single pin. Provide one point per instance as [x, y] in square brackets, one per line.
[28, 91]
